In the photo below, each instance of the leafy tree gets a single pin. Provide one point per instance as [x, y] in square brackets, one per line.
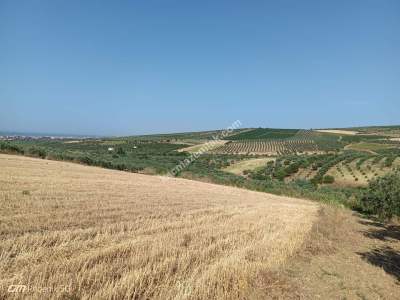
[382, 197]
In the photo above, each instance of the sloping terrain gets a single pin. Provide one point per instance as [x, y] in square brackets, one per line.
[69, 231]
[102, 232]
[207, 146]
[247, 164]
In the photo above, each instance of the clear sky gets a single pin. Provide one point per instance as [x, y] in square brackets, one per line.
[133, 67]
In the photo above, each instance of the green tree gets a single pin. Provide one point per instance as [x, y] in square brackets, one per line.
[382, 197]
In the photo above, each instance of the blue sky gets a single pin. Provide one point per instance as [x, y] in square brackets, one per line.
[133, 67]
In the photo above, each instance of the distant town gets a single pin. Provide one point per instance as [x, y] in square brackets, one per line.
[27, 137]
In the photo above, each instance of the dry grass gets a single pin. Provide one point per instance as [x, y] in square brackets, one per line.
[337, 131]
[347, 257]
[368, 147]
[207, 146]
[109, 234]
[247, 164]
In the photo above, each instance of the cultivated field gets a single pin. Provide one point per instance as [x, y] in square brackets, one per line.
[86, 232]
[271, 147]
[368, 147]
[204, 147]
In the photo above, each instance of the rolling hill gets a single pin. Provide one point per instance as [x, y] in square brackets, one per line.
[85, 232]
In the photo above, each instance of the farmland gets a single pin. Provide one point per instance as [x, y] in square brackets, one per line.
[87, 233]
[302, 155]
[135, 236]
[247, 164]
[309, 164]
[369, 147]
[274, 147]
[345, 169]
[140, 236]
[264, 133]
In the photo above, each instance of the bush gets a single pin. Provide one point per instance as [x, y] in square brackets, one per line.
[280, 174]
[86, 160]
[328, 179]
[7, 148]
[382, 197]
[38, 152]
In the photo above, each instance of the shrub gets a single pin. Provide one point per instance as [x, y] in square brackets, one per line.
[382, 197]
[280, 174]
[291, 169]
[328, 179]
[35, 151]
[86, 160]
[8, 148]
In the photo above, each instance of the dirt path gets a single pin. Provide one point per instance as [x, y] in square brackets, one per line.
[348, 257]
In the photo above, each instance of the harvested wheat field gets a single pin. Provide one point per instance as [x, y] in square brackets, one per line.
[337, 131]
[74, 232]
[107, 233]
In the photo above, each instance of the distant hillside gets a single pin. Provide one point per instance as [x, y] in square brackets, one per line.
[269, 133]
[199, 135]
[264, 133]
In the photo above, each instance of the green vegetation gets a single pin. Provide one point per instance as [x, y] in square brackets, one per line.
[313, 165]
[382, 197]
[148, 156]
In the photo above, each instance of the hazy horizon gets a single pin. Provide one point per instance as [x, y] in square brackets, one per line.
[66, 134]
[132, 68]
